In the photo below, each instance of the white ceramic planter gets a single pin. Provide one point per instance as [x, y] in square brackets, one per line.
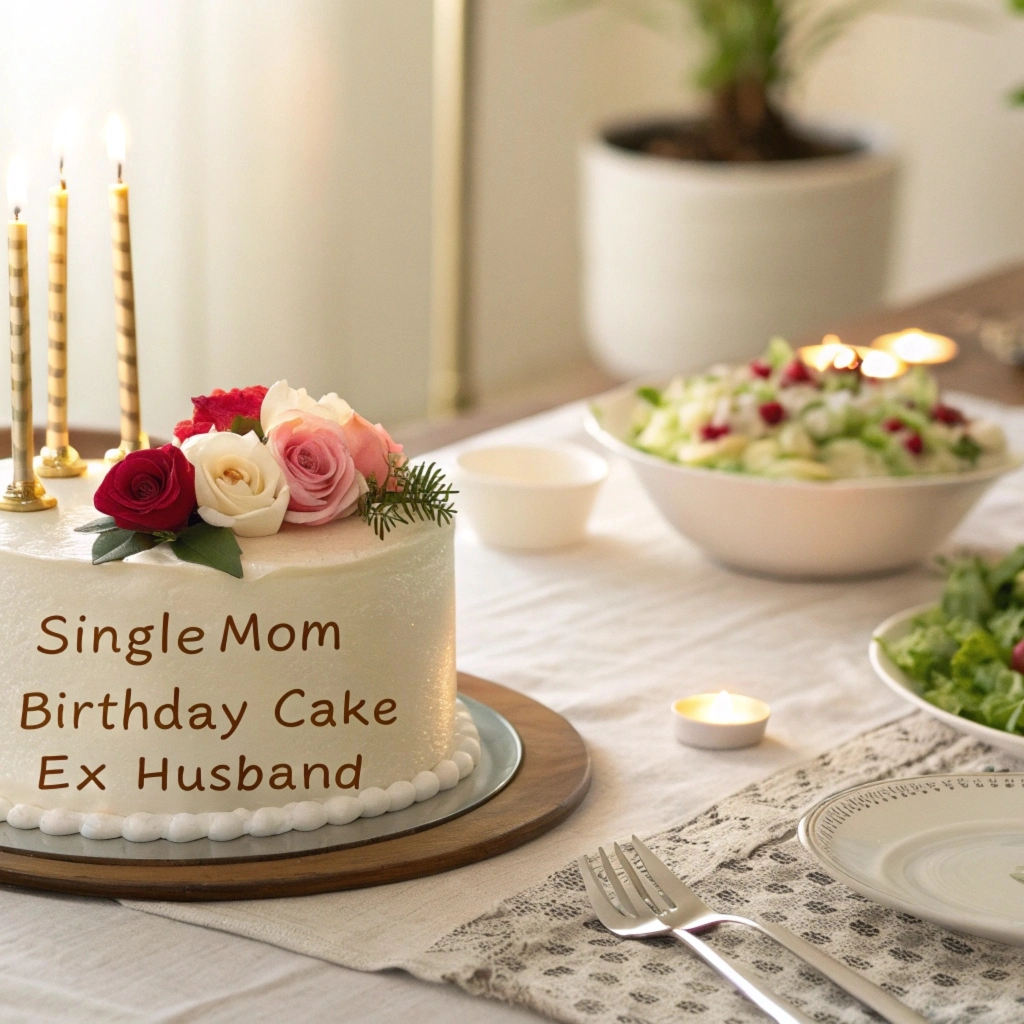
[686, 264]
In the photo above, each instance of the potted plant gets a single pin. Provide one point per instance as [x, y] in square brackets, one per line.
[704, 236]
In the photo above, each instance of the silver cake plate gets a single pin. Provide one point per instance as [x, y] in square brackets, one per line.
[501, 752]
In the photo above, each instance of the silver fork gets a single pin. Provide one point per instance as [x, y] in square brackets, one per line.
[636, 920]
[680, 907]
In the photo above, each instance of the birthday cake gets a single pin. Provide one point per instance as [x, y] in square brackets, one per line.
[256, 635]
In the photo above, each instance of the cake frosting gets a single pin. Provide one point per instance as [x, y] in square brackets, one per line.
[156, 698]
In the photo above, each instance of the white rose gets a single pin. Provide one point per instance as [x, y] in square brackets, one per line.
[281, 400]
[238, 483]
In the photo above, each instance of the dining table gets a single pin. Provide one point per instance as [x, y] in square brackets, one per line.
[608, 634]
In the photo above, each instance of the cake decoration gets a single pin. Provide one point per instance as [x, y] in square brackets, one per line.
[251, 459]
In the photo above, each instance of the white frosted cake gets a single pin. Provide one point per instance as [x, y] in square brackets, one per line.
[152, 697]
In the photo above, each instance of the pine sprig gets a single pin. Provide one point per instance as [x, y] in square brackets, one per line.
[418, 492]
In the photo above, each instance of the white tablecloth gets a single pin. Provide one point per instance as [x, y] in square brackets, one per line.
[607, 634]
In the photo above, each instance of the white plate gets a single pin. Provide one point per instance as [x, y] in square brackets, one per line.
[941, 847]
[897, 627]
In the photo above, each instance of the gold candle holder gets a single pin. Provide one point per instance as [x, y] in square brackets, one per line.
[58, 458]
[25, 493]
[133, 438]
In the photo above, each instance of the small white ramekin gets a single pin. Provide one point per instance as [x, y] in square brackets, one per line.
[529, 497]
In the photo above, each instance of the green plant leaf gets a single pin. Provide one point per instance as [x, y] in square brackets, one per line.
[421, 492]
[1017, 96]
[243, 425]
[213, 546]
[101, 525]
[114, 545]
[650, 395]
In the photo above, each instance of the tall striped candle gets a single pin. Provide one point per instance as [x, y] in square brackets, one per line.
[58, 458]
[25, 493]
[132, 437]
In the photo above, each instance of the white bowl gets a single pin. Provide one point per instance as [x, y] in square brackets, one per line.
[795, 528]
[897, 627]
[529, 497]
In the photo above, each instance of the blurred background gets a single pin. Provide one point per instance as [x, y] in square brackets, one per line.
[280, 163]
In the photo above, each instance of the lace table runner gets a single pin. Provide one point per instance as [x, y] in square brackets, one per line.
[544, 949]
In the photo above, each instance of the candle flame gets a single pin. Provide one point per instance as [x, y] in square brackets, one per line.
[723, 708]
[881, 365]
[915, 346]
[17, 185]
[116, 140]
[832, 354]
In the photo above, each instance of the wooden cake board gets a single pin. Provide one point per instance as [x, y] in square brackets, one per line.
[551, 782]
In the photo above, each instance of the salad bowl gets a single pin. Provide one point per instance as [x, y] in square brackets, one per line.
[895, 629]
[791, 528]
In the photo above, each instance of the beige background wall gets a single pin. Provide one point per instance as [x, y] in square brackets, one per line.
[280, 158]
[279, 162]
[938, 87]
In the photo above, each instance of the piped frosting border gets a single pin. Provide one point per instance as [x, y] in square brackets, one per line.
[222, 826]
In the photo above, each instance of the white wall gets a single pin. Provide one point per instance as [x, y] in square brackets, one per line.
[541, 89]
[280, 170]
[279, 166]
[941, 88]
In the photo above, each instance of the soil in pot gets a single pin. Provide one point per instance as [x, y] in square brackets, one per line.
[732, 134]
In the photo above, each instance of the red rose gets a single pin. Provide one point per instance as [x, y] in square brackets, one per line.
[151, 490]
[217, 410]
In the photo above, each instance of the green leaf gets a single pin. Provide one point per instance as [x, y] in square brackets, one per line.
[1003, 573]
[243, 425]
[1016, 97]
[213, 546]
[967, 595]
[978, 649]
[114, 545]
[101, 525]
[650, 395]
[967, 448]
[421, 492]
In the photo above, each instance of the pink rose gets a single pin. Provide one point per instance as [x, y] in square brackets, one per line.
[371, 445]
[317, 466]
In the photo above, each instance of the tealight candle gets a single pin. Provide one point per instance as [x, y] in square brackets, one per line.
[918, 348]
[832, 354]
[720, 721]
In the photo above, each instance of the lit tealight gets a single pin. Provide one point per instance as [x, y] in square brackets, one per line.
[833, 354]
[881, 365]
[918, 348]
[720, 721]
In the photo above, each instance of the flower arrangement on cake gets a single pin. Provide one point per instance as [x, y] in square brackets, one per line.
[251, 459]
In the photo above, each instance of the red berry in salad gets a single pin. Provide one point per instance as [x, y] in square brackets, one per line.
[759, 368]
[1017, 658]
[772, 412]
[711, 432]
[796, 373]
[914, 444]
[893, 424]
[948, 414]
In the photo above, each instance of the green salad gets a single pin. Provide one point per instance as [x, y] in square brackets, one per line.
[776, 417]
[966, 656]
